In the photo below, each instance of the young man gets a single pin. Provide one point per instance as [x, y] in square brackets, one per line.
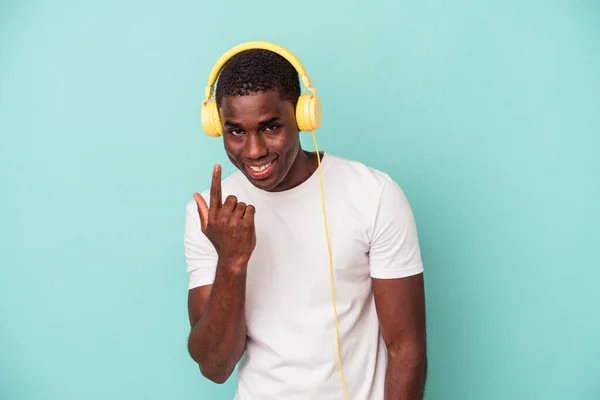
[257, 257]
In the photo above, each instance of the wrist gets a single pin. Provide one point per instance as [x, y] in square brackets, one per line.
[234, 265]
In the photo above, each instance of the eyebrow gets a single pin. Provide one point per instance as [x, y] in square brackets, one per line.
[231, 124]
[269, 121]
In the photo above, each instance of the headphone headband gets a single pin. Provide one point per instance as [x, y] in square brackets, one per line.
[308, 106]
[275, 48]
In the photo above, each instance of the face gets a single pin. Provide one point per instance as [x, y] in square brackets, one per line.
[261, 138]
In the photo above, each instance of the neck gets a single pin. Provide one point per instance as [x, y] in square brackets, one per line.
[303, 167]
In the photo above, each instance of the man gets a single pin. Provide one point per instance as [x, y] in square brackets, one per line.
[257, 257]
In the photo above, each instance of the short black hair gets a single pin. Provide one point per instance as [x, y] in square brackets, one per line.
[255, 71]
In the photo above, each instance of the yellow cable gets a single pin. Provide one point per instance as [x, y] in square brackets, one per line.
[337, 334]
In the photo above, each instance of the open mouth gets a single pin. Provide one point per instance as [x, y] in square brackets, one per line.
[261, 171]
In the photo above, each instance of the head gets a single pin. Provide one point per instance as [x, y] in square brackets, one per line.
[256, 95]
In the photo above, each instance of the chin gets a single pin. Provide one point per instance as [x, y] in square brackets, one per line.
[265, 184]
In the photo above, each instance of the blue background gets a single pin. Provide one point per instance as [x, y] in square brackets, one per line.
[486, 113]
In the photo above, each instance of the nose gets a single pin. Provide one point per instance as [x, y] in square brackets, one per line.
[256, 146]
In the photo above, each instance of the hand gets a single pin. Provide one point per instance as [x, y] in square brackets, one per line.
[229, 225]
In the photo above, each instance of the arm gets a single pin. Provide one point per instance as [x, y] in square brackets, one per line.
[218, 325]
[400, 305]
[218, 244]
[397, 280]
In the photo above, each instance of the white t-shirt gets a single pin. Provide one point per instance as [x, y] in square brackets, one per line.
[291, 348]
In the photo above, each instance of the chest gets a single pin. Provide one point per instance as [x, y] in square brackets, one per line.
[289, 272]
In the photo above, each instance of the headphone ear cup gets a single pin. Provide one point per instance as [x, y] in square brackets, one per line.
[210, 119]
[308, 112]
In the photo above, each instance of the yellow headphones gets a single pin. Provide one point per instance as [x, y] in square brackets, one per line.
[308, 118]
[308, 109]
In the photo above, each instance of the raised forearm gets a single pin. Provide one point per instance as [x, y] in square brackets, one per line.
[405, 377]
[218, 339]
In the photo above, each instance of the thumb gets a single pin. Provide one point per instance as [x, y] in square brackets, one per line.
[202, 210]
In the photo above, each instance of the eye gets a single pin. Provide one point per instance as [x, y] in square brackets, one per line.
[271, 127]
[236, 132]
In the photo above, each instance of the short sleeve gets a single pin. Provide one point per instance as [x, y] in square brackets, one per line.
[200, 254]
[394, 247]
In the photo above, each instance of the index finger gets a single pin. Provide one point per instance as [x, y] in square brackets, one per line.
[215, 189]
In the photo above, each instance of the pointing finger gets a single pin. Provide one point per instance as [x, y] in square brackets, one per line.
[215, 189]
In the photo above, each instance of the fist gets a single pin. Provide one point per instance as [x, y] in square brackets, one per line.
[228, 225]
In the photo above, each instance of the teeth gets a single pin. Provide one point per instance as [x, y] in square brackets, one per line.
[261, 168]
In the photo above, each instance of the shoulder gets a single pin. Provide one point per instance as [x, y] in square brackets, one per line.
[357, 177]
[370, 193]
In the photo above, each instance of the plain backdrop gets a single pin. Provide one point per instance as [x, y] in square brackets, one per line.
[486, 113]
